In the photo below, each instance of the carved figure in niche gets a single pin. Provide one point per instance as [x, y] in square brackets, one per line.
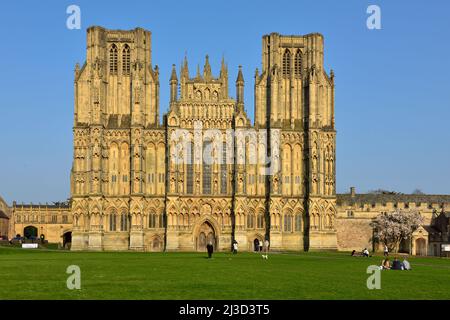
[275, 184]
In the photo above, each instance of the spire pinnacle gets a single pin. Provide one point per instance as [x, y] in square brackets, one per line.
[207, 68]
[184, 67]
[198, 72]
[173, 76]
[240, 77]
[223, 67]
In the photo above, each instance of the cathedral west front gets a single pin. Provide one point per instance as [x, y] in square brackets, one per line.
[206, 173]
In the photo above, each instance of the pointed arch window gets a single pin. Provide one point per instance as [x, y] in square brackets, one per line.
[223, 170]
[112, 222]
[298, 63]
[113, 59]
[207, 168]
[190, 170]
[250, 221]
[286, 63]
[298, 222]
[123, 222]
[260, 222]
[152, 221]
[288, 223]
[126, 60]
[161, 221]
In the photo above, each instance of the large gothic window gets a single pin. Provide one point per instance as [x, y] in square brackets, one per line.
[286, 63]
[223, 170]
[190, 170]
[207, 147]
[126, 60]
[113, 59]
[298, 63]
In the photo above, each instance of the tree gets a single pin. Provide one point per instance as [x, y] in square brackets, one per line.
[383, 191]
[418, 191]
[391, 228]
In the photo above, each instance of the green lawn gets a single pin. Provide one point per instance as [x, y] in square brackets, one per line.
[41, 274]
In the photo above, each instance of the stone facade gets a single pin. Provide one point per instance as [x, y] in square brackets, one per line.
[52, 221]
[130, 192]
[356, 211]
[4, 219]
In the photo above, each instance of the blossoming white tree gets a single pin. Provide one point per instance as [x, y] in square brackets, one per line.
[391, 228]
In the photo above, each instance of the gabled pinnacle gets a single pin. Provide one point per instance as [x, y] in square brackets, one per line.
[207, 68]
[173, 77]
[223, 67]
[240, 77]
[184, 68]
[198, 72]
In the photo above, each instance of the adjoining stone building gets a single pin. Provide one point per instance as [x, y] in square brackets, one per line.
[54, 222]
[4, 219]
[356, 211]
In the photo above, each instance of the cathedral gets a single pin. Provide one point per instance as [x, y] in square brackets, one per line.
[206, 173]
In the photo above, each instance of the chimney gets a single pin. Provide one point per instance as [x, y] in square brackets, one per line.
[352, 192]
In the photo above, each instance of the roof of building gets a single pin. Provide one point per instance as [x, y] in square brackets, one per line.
[50, 206]
[394, 198]
[3, 215]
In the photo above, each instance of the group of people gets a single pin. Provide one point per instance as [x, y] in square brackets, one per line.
[396, 264]
[264, 249]
[385, 264]
[363, 253]
[262, 246]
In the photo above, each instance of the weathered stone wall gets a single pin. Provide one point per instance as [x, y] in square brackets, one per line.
[353, 234]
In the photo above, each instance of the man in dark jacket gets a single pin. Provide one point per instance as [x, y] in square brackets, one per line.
[210, 249]
[396, 265]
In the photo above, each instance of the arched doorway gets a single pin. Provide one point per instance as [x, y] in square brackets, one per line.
[156, 244]
[421, 247]
[67, 239]
[30, 232]
[206, 234]
[256, 244]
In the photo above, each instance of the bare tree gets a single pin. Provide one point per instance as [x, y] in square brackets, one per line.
[418, 191]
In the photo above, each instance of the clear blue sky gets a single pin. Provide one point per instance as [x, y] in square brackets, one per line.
[392, 85]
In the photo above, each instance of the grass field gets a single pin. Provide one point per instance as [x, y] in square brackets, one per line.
[41, 274]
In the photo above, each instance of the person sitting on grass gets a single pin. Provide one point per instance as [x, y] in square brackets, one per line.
[365, 252]
[385, 264]
[353, 253]
[406, 265]
[396, 265]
